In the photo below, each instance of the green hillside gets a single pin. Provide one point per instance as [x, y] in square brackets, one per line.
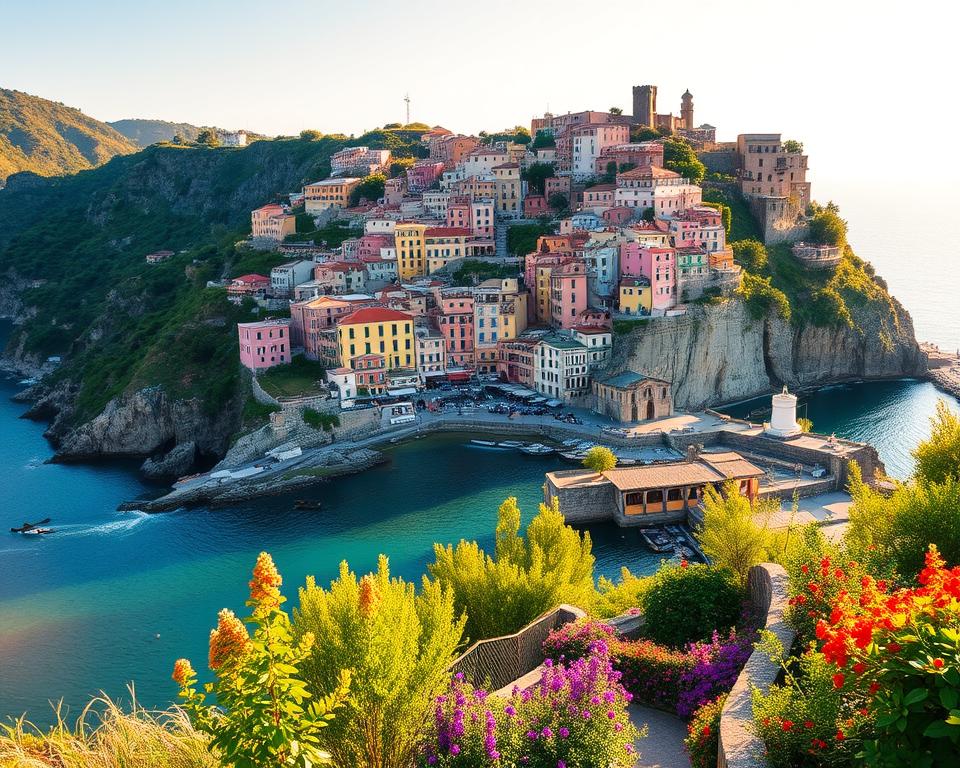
[51, 139]
[143, 133]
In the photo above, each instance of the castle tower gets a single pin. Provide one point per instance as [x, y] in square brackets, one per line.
[645, 105]
[686, 109]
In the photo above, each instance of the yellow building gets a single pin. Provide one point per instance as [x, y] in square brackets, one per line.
[377, 331]
[444, 244]
[499, 313]
[329, 193]
[636, 298]
[411, 249]
[508, 199]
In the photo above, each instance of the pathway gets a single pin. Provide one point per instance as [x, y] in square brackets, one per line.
[663, 746]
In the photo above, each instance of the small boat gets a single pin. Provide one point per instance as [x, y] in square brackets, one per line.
[685, 552]
[306, 504]
[626, 462]
[573, 455]
[28, 526]
[571, 442]
[537, 449]
[510, 444]
[484, 443]
[658, 541]
[36, 531]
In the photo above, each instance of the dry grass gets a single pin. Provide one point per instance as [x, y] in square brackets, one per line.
[106, 736]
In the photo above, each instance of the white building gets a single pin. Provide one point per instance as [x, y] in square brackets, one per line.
[560, 368]
[435, 203]
[429, 349]
[587, 143]
[667, 192]
[345, 380]
[598, 341]
[234, 138]
[286, 277]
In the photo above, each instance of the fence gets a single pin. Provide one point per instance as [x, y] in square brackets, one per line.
[499, 661]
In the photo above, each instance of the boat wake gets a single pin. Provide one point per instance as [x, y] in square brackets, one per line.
[128, 522]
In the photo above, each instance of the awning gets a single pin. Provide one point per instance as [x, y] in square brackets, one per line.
[458, 375]
[402, 391]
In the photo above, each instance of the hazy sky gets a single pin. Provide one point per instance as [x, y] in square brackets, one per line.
[849, 78]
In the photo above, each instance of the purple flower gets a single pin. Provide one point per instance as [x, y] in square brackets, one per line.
[564, 732]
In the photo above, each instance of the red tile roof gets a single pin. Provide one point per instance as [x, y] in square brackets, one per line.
[251, 279]
[653, 172]
[447, 232]
[374, 315]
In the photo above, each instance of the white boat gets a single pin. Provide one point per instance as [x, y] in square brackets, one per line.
[571, 442]
[537, 449]
[485, 443]
[573, 455]
[510, 444]
[626, 462]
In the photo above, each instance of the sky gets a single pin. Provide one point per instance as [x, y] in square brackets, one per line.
[846, 77]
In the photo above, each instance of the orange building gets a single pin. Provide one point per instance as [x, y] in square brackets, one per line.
[329, 193]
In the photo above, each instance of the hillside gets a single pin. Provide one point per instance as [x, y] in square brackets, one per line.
[50, 139]
[143, 133]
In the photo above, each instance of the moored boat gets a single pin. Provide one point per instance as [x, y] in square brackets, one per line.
[510, 444]
[36, 531]
[484, 443]
[537, 449]
[657, 540]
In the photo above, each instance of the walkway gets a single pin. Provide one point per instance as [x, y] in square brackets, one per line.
[663, 746]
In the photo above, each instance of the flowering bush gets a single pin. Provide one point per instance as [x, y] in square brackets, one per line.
[575, 717]
[703, 734]
[264, 715]
[573, 640]
[716, 666]
[652, 672]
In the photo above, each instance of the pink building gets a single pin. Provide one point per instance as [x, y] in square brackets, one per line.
[469, 213]
[369, 246]
[246, 285]
[534, 205]
[568, 293]
[455, 320]
[699, 228]
[423, 175]
[658, 265]
[265, 343]
[646, 154]
[619, 215]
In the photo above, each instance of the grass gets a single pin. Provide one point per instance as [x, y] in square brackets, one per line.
[255, 413]
[623, 327]
[473, 271]
[742, 224]
[309, 472]
[318, 420]
[107, 736]
[301, 377]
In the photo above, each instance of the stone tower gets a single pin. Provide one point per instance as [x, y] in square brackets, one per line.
[645, 105]
[686, 109]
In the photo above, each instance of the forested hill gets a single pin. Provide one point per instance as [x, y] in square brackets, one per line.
[50, 139]
[143, 133]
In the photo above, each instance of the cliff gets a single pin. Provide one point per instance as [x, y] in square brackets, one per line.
[721, 353]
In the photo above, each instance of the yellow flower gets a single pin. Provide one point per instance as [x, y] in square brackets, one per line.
[182, 671]
[369, 596]
[229, 640]
[265, 585]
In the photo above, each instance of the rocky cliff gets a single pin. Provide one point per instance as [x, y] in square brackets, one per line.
[720, 353]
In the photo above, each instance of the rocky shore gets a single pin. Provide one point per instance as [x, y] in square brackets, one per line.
[943, 368]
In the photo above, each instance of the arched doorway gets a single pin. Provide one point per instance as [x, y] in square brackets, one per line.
[649, 410]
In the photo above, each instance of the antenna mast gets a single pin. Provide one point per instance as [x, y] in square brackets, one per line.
[407, 99]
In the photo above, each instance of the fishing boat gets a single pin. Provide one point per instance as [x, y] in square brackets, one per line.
[537, 449]
[657, 540]
[510, 444]
[484, 443]
[626, 462]
[571, 442]
[29, 526]
[36, 531]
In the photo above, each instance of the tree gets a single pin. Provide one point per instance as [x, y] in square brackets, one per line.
[558, 201]
[805, 425]
[310, 135]
[793, 146]
[400, 165]
[735, 532]
[678, 156]
[751, 255]
[938, 457]
[529, 575]
[828, 228]
[616, 111]
[208, 137]
[644, 133]
[536, 174]
[648, 214]
[179, 139]
[398, 644]
[390, 126]
[543, 139]
[610, 173]
[600, 459]
[371, 188]
[264, 713]
[726, 215]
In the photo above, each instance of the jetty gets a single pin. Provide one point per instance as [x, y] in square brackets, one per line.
[943, 368]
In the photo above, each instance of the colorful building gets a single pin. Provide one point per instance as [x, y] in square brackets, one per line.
[308, 319]
[429, 347]
[247, 285]
[588, 143]
[631, 396]
[665, 191]
[598, 341]
[455, 316]
[509, 191]
[272, 222]
[635, 296]
[658, 265]
[500, 312]
[411, 249]
[515, 360]
[560, 368]
[328, 193]
[376, 331]
[264, 343]
[444, 244]
[568, 293]
[423, 175]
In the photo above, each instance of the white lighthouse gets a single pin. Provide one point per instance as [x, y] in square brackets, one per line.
[783, 418]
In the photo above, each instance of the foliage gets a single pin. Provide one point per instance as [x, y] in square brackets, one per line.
[558, 201]
[894, 530]
[106, 736]
[600, 459]
[652, 672]
[751, 255]
[310, 135]
[793, 146]
[687, 602]
[299, 377]
[742, 224]
[208, 137]
[938, 458]
[319, 420]
[805, 424]
[522, 238]
[623, 326]
[735, 533]
[542, 140]
[400, 166]
[370, 188]
[827, 227]
[398, 644]
[615, 111]
[678, 156]
[615, 598]
[644, 133]
[535, 174]
[760, 297]
[575, 716]
[703, 734]
[265, 713]
[529, 575]
[256, 413]
[474, 271]
[726, 215]
[516, 135]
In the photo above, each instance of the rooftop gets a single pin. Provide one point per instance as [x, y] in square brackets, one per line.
[374, 315]
[331, 182]
[562, 342]
[653, 172]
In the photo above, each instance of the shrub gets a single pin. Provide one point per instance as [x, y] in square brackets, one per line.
[398, 644]
[575, 716]
[761, 296]
[703, 734]
[716, 667]
[574, 639]
[318, 420]
[750, 254]
[552, 564]
[686, 603]
[938, 458]
[600, 459]
[615, 598]
[652, 672]
[828, 228]
[265, 714]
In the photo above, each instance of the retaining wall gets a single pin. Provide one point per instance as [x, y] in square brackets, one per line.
[739, 744]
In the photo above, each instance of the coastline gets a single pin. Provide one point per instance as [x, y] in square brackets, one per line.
[943, 368]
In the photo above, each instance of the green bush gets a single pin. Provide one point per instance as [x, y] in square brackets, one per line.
[318, 420]
[617, 597]
[600, 459]
[751, 255]
[703, 734]
[686, 603]
[760, 297]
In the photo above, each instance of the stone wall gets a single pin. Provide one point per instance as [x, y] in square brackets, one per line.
[780, 218]
[583, 504]
[740, 746]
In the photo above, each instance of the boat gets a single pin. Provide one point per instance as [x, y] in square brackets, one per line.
[571, 442]
[484, 443]
[573, 455]
[537, 449]
[626, 462]
[28, 526]
[36, 531]
[510, 444]
[306, 504]
[657, 540]
[685, 552]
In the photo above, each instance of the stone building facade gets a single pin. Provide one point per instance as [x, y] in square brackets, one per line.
[631, 396]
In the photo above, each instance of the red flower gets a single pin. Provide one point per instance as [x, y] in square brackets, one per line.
[938, 663]
[874, 687]
[706, 730]
[786, 725]
[683, 563]
[838, 680]
[805, 569]
[808, 724]
[859, 667]
[894, 647]
[840, 736]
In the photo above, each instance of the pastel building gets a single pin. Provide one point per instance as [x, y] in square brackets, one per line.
[443, 245]
[560, 368]
[361, 159]
[767, 169]
[285, 277]
[568, 293]
[481, 161]
[665, 191]
[509, 190]
[248, 285]
[328, 193]
[310, 318]
[264, 343]
[455, 318]
[589, 141]
[477, 215]
[635, 296]
[423, 175]
[340, 277]
[376, 331]
[658, 265]
[411, 249]
[698, 228]
[429, 347]
[500, 312]
[631, 396]
[644, 154]
[598, 198]
[598, 341]
[515, 360]
[272, 222]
